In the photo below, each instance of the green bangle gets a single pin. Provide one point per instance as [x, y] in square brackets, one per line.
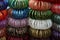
[41, 15]
[18, 4]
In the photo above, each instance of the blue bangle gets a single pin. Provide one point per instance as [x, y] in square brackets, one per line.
[3, 5]
[19, 14]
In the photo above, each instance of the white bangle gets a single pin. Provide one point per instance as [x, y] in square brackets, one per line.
[40, 24]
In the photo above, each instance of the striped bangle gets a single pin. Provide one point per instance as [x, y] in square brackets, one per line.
[18, 4]
[40, 33]
[12, 31]
[39, 5]
[56, 27]
[56, 18]
[18, 14]
[2, 32]
[17, 23]
[41, 15]
[40, 24]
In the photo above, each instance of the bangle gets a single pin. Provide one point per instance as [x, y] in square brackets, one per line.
[3, 14]
[56, 27]
[3, 23]
[3, 38]
[17, 38]
[39, 5]
[3, 5]
[18, 14]
[56, 8]
[2, 32]
[17, 23]
[18, 4]
[40, 24]
[40, 33]
[20, 31]
[56, 18]
[56, 34]
[41, 15]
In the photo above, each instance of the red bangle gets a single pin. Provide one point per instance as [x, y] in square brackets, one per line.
[39, 5]
[56, 8]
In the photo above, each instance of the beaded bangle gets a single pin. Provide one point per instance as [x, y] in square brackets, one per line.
[18, 14]
[40, 33]
[18, 22]
[18, 4]
[41, 15]
[56, 18]
[16, 31]
[40, 24]
[39, 5]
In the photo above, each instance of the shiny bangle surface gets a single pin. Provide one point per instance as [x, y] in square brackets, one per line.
[3, 5]
[16, 31]
[40, 24]
[39, 5]
[2, 32]
[3, 38]
[19, 14]
[17, 23]
[41, 15]
[56, 18]
[40, 33]
[56, 8]
[18, 4]
[56, 27]
[17, 38]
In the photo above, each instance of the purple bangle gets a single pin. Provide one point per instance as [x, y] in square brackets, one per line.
[17, 22]
[3, 23]
[56, 34]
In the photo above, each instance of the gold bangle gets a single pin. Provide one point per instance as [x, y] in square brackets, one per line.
[3, 38]
[40, 33]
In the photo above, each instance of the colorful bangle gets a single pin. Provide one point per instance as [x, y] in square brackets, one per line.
[2, 32]
[3, 23]
[56, 8]
[19, 14]
[40, 33]
[18, 22]
[3, 38]
[3, 5]
[39, 5]
[16, 31]
[17, 38]
[40, 24]
[56, 18]
[18, 4]
[56, 27]
[41, 15]
[56, 34]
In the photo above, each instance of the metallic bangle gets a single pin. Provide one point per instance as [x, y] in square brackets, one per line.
[56, 34]
[3, 38]
[2, 32]
[18, 4]
[56, 18]
[40, 33]
[16, 31]
[39, 5]
[40, 24]
[41, 15]
[56, 27]
[17, 23]
[18, 14]
[3, 23]
[17, 38]
[3, 5]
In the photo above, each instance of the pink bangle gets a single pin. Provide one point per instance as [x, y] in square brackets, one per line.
[17, 22]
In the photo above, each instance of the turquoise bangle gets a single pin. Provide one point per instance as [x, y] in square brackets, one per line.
[40, 14]
[18, 4]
